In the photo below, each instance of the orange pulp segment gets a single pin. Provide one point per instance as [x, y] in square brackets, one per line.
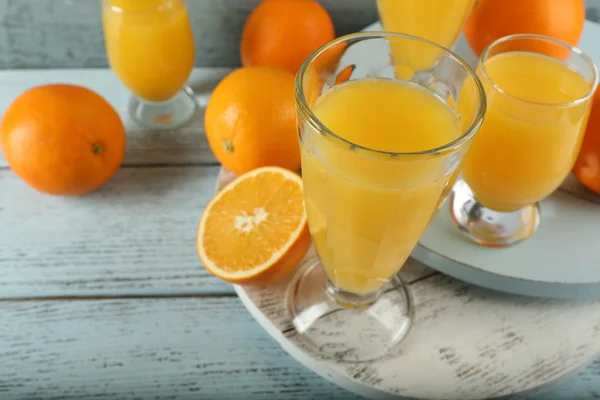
[255, 231]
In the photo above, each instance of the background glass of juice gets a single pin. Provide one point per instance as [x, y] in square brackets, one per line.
[150, 48]
[440, 21]
[539, 93]
[378, 156]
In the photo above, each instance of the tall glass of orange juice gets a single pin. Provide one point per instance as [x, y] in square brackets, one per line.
[440, 21]
[150, 48]
[539, 93]
[378, 154]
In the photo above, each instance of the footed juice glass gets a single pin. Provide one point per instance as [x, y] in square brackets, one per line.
[539, 92]
[150, 48]
[379, 154]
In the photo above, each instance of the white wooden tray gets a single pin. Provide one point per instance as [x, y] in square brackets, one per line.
[466, 342]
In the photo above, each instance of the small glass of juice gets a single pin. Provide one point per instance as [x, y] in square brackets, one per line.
[539, 92]
[379, 155]
[150, 47]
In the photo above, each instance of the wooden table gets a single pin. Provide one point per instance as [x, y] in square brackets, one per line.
[103, 296]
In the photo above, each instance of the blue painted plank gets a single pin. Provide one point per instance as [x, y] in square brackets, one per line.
[175, 348]
[183, 348]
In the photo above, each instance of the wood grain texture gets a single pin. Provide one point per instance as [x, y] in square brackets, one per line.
[466, 342]
[205, 348]
[583, 385]
[136, 235]
[178, 349]
[68, 33]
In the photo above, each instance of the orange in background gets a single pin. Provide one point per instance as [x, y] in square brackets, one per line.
[587, 166]
[250, 120]
[283, 33]
[493, 19]
[62, 139]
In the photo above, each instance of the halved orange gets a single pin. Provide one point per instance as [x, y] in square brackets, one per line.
[255, 231]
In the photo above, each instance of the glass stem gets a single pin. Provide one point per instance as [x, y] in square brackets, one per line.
[352, 300]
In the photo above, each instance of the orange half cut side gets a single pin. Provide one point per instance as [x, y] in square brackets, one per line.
[255, 231]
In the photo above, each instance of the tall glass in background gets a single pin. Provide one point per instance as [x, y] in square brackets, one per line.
[378, 153]
[150, 48]
[440, 21]
[539, 92]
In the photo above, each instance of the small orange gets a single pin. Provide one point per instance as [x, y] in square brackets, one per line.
[493, 19]
[250, 120]
[283, 33]
[587, 166]
[62, 139]
[255, 231]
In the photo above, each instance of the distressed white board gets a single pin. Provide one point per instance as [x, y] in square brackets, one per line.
[466, 342]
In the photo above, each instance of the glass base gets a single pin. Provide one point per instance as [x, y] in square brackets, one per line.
[337, 325]
[169, 114]
[488, 227]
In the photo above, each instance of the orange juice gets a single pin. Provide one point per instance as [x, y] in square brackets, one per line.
[367, 209]
[149, 45]
[440, 21]
[530, 138]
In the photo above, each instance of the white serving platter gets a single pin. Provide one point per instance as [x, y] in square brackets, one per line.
[465, 342]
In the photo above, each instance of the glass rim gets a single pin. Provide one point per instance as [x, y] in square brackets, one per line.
[161, 7]
[573, 49]
[311, 118]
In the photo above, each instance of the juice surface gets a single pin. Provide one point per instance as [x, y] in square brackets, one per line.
[149, 45]
[367, 210]
[524, 151]
[440, 21]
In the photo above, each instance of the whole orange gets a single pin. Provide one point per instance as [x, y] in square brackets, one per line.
[493, 19]
[283, 33]
[587, 166]
[62, 139]
[250, 120]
